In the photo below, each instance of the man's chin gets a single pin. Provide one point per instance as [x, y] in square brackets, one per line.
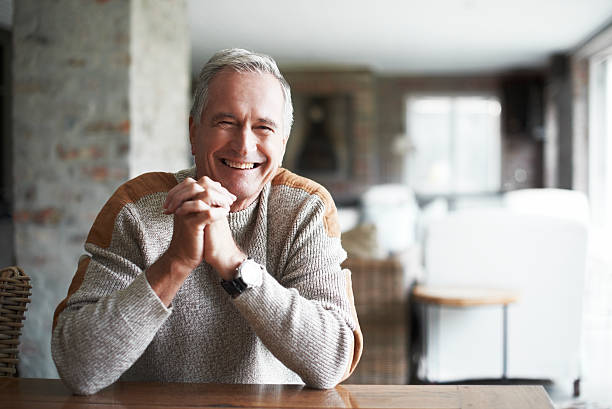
[245, 185]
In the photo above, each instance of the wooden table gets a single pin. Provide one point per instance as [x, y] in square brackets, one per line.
[18, 393]
[463, 296]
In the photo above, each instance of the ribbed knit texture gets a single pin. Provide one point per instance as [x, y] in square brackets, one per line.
[298, 327]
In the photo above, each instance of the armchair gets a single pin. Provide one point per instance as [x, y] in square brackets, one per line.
[541, 257]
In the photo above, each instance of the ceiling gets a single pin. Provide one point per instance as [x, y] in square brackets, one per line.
[398, 36]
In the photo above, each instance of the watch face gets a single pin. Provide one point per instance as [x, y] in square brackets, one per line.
[251, 273]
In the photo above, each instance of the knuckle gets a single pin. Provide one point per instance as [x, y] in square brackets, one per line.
[194, 189]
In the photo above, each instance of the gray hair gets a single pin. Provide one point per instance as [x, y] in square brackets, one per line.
[239, 60]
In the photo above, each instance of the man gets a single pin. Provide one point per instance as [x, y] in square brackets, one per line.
[227, 272]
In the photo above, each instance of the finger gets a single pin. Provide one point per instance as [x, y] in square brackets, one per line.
[215, 198]
[172, 192]
[176, 188]
[191, 207]
[205, 213]
[186, 192]
[207, 182]
[217, 213]
[212, 197]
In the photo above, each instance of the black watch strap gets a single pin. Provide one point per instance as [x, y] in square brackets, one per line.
[234, 287]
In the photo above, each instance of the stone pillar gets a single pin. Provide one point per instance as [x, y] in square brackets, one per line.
[560, 94]
[159, 86]
[100, 95]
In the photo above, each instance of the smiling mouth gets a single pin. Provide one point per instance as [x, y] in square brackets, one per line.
[240, 165]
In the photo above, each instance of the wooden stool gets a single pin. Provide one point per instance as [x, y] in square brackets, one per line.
[469, 297]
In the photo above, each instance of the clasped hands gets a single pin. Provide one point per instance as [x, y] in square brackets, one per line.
[201, 230]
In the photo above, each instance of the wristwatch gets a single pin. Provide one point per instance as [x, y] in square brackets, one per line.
[249, 274]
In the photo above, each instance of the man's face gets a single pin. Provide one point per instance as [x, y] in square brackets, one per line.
[240, 141]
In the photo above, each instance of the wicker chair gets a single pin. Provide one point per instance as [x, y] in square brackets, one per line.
[381, 303]
[15, 292]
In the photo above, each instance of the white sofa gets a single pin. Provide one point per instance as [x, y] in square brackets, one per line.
[542, 257]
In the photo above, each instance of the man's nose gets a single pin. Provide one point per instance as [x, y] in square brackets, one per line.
[246, 141]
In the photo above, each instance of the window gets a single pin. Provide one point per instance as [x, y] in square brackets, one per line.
[600, 140]
[455, 144]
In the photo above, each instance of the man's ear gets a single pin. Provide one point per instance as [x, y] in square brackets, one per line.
[285, 138]
[192, 134]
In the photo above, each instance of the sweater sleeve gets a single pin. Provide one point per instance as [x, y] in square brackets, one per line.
[111, 313]
[307, 318]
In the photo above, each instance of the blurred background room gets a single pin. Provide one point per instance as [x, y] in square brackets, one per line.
[467, 145]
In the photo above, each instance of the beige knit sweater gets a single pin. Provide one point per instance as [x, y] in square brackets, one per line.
[300, 326]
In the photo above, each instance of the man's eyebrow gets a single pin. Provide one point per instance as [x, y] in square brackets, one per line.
[222, 115]
[268, 121]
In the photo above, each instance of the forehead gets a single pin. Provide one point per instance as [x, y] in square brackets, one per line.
[240, 90]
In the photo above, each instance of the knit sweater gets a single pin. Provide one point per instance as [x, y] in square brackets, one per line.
[299, 326]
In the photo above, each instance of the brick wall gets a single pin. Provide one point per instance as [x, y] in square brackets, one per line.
[361, 147]
[85, 105]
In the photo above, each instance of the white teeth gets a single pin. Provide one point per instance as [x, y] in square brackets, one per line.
[239, 165]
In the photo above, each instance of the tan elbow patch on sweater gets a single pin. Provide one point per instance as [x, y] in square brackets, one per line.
[357, 335]
[330, 219]
[101, 232]
[76, 283]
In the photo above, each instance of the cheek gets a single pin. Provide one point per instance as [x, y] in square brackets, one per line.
[209, 145]
[275, 150]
